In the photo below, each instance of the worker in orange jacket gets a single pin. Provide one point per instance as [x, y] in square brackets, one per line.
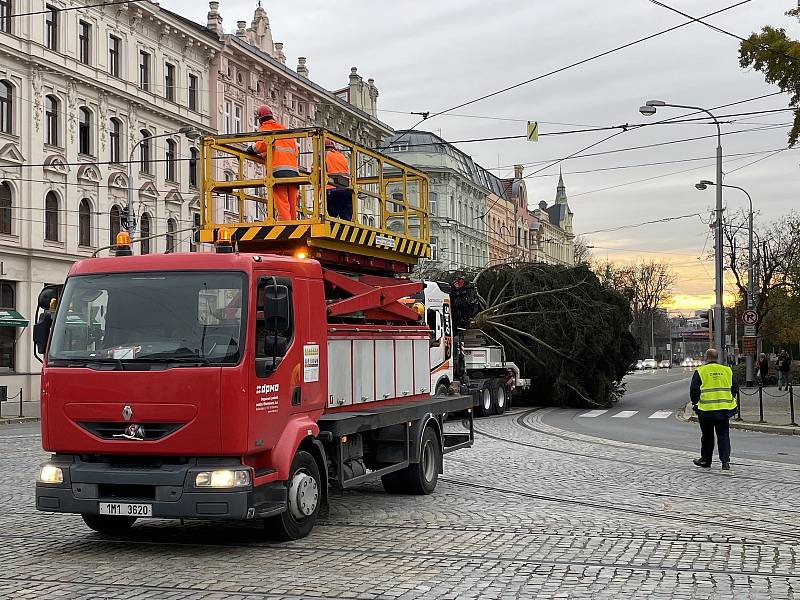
[284, 164]
[338, 194]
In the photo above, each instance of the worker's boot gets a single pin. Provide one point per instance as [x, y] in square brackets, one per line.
[726, 466]
[701, 463]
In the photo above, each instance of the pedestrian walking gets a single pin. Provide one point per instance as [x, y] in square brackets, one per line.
[784, 366]
[713, 394]
[763, 369]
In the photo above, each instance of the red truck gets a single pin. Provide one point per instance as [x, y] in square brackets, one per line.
[234, 385]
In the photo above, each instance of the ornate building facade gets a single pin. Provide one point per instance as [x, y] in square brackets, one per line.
[555, 240]
[82, 89]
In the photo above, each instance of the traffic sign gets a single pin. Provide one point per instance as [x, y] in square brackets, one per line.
[750, 330]
[533, 131]
[749, 317]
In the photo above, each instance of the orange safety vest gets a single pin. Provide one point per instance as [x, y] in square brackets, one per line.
[284, 151]
[336, 164]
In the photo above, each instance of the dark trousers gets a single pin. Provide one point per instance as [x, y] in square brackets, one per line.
[707, 429]
[340, 203]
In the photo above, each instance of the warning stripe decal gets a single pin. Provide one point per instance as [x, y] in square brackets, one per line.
[338, 231]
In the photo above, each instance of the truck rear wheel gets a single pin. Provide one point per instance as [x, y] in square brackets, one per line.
[500, 397]
[418, 478]
[304, 500]
[486, 403]
[107, 524]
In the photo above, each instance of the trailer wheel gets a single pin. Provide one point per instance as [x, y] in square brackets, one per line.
[500, 397]
[418, 478]
[107, 524]
[486, 404]
[305, 498]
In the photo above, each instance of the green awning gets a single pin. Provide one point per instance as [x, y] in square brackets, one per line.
[11, 318]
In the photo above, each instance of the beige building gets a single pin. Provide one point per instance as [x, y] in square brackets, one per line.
[80, 89]
[555, 240]
[251, 70]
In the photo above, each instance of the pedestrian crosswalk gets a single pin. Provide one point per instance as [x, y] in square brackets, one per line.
[626, 414]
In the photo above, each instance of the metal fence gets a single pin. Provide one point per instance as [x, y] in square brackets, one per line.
[14, 403]
[761, 392]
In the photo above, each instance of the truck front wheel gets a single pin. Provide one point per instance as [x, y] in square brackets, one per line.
[418, 478]
[107, 524]
[304, 499]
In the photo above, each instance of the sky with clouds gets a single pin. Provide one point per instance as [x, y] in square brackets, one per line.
[430, 56]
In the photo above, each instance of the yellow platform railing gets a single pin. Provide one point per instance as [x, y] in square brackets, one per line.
[389, 198]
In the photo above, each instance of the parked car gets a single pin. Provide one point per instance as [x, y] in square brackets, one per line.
[639, 365]
[649, 363]
[664, 364]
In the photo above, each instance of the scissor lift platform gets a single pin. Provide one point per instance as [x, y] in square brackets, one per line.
[390, 228]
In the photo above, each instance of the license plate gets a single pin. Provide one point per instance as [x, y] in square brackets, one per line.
[126, 510]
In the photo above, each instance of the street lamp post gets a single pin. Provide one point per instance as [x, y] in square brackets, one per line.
[649, 109]
[190, 132]
[750, 291]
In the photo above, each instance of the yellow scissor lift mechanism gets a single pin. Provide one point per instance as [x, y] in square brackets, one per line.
[390, 223]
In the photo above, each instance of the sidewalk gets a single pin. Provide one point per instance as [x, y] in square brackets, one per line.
[9, 411]
[777, 418]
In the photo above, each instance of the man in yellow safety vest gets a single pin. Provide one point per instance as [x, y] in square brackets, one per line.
[713, 393]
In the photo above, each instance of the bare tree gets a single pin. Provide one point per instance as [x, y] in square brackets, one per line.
[776, 257]
[581, 252]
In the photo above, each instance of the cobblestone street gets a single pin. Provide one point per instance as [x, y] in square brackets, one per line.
[530, 512]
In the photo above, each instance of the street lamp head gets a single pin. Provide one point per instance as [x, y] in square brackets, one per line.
[707, 182]
[647, 111]
[701, 185]
[655, 103]
[190, 132]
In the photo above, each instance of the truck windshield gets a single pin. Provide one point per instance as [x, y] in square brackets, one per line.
[159, 317]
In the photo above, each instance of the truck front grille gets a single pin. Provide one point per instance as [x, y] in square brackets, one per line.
[127, 492]
[117, 431]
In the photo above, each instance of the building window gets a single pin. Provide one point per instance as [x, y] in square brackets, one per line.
[114, 52]
[144, 152]
[5, 15]
[193, 167]
[169, 82]
[237, 118]
[226, 117]
[192, 92]
[6, 106]
[145, 227]
[51, 120]
[115, 140]
[434, 248]
[5, 207]
[172, 227]
[114, 223]
[171, 160]
[84, 42]
[51, 217]
[195, 239]
[84, 131]
[433, 203]
[8, 335]
[85, 223]
[144, 70]
[230, 199]
[51, 27]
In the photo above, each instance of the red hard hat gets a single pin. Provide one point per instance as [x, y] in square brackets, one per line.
[264, 111]
[329, 144]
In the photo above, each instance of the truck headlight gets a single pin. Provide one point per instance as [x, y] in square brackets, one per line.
[224, 478]
[51, 474]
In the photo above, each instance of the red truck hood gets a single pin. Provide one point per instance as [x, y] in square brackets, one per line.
[84, 411]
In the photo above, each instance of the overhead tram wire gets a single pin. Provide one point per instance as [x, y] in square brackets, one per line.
[584, 61]
[80, 7]
[641, 224]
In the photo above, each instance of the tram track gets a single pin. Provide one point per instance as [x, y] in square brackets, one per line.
[519, 419]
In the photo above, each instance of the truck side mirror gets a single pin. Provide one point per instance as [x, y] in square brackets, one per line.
[46, 297]
[276, 308]
[41, 331]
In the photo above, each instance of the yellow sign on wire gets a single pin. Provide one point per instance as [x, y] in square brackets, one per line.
[533, 131]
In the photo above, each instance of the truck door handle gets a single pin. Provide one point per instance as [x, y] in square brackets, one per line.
[296, 396]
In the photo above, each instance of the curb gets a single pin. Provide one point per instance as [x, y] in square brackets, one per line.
[17, 420]
[687, 414]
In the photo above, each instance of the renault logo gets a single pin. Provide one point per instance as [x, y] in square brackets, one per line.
[127, 413]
